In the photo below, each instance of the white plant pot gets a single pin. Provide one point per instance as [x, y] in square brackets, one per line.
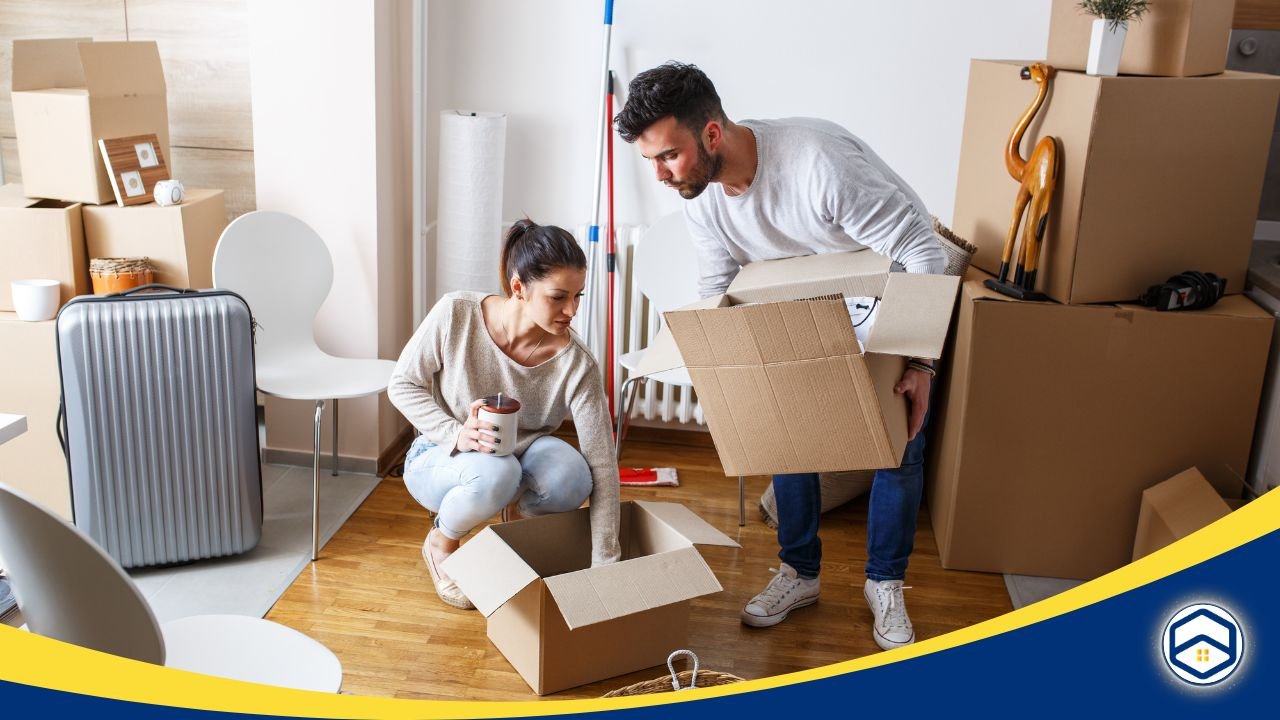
[1105, 48]
[36, 300]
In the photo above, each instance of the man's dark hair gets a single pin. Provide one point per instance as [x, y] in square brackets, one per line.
[672, 88]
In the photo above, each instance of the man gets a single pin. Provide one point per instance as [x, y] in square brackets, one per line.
[770, 189]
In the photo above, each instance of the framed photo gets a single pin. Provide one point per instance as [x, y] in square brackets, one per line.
[135, 164]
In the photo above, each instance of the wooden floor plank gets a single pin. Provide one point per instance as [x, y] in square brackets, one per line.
[370, 599]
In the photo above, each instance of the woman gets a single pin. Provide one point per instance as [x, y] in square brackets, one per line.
[473, 346]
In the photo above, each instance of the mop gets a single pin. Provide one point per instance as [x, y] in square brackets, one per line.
[593, 233]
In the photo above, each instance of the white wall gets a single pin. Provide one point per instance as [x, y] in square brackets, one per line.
[894, 73]
[329, 80]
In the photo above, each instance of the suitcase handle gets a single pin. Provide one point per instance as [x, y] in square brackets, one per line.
[153, 286]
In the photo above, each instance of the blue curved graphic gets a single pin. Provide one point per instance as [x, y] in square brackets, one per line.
[1039, 665]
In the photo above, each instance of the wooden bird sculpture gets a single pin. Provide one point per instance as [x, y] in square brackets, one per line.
[1037, 178]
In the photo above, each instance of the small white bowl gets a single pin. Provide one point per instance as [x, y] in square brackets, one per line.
[36, 300]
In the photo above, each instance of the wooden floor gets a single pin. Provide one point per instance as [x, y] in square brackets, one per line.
[370, 600]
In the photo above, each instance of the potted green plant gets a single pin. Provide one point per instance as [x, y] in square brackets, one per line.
[1106, 43]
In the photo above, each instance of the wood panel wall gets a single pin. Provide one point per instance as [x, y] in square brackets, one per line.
[205, 50]
[1257, 14]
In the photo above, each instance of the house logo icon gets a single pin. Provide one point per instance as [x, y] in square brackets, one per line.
[1203, 644]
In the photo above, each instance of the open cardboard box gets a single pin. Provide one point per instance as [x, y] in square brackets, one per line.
[1176, 508]
[68, 94]
[562, 623]
[783, 381]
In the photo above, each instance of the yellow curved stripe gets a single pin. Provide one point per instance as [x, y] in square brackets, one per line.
[33, 660]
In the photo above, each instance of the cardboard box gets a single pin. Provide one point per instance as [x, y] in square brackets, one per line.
[40, 239]
[1176, 38]
[179, 239]
[1054, 418]
[70, 93]
[776, 358]
[1174, 509]
[1264, 466]
[562, 623]
[32, 462]
[1158, 176]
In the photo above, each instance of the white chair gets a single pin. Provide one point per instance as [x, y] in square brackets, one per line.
[282, 268]
[666, 271]
[69, 589]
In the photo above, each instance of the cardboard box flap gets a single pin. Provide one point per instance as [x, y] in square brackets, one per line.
[662, 353]
[113, 69]
[684, 521]
[42, 64]
[914, 315]
[607, 592]
[1186, 502]
[488, 571]
[859, 273]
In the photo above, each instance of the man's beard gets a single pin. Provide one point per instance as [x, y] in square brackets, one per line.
[704, 172]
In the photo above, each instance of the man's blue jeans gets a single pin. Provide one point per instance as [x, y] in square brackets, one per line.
[891, 516]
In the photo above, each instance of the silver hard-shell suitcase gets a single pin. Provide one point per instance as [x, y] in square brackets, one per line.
[159, 423]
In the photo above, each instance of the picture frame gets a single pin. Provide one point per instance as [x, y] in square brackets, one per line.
[135, 164]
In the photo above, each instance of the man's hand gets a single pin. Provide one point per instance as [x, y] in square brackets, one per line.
[915, 385]
[477, 436]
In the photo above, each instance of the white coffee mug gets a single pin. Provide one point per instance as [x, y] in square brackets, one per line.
[36, 300]
[504, 412]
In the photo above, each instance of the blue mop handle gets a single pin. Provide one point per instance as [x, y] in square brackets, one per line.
[608, 12]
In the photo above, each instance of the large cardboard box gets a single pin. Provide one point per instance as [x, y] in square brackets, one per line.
[40, 239]
[70, 93]
[179, 239]
[562, 623]
[1176, 38]
[32, 462]
[1054, 418]
[1158, 176]
[782, 378]
[1174, 509]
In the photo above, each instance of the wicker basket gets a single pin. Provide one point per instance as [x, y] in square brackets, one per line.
[685, 679]
[112, 275]
[958, 250]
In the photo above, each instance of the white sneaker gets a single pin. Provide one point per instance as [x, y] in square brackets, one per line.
[892, 626]
[784, 593]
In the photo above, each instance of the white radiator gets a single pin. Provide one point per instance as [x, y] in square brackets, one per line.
[657, 403]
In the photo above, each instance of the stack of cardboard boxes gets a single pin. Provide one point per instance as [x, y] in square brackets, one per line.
[68, 94]
[1054, 417]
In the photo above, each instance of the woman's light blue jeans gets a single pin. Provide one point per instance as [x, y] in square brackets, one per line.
[465, 489]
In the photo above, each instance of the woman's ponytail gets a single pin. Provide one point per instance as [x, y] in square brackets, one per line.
[531, 251]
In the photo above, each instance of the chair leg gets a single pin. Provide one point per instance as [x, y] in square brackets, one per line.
[315, 486]
[334, 470]
[624, 411]
[742, 501]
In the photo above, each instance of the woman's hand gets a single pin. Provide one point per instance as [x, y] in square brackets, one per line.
[477, 436]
